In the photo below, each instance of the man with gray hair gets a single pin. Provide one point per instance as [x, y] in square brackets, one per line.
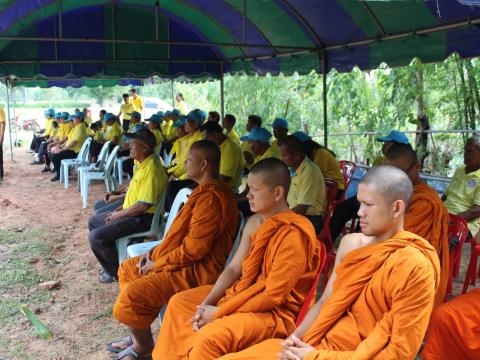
[462, 196]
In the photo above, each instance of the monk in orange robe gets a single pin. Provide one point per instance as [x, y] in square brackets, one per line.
[378, 301]
[193, 253]
[427, 216]
[260, 293]
[454, 331]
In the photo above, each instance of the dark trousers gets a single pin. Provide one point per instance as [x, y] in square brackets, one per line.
[1, 161]
[101, 206]
[42, 150]
[173, 187]
[35, 144]
[95, 148]
[62, 155]
[48, 158]
[102, 237]
[345, 211]
[126, 124]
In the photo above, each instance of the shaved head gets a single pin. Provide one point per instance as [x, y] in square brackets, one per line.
[274, 172]
[401, 151]
[209, 151]
[390, 182]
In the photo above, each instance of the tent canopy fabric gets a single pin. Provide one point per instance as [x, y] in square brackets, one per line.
[201, 39]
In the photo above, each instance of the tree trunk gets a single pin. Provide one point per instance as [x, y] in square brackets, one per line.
[421, 139]
[463, 89]
[475, 97]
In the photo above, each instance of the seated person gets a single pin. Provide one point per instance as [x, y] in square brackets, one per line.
[53, 147]
[454, 331]
[394, 137]
[379, 298]
[232, 161]
[153, 123]
[307, 195]
[179, 148]
[72, 146]
[113, 131]
[192, 254]
[324, 158]
[228, 124]
[214, 116]
[462, 196]
[43, 135]
[252, 122]
[426, 216]
[260, 293]
[42, 149]
[280, 131]
[144, 193]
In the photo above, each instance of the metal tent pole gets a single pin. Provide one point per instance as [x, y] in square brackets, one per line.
[325, 112]
[7, 84]
[14, 97]
[222, 92]
[173, 93]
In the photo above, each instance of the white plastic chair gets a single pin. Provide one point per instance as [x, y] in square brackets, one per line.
[106, 175]
[119, 168]
[155, 229]
[80, 160]
[98, 166]
[142, 248]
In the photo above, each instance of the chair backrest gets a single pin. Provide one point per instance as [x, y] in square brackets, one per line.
[82, 155]
[111, 161]
[331, 190]
[310, 298]
[241, 226]
[180, 199]
[102, 157]
[457, 230]
[348, 169]
[157, 216]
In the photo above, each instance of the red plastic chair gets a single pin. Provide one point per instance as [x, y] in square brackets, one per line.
[471, 275]
[457, 230]
[310, 298]
[348, 169]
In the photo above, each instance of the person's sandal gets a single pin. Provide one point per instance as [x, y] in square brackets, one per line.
[127, 340]
[132, 353]
[106, 278]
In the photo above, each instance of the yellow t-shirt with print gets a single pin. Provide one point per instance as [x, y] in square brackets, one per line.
[48, 127]
[231, 162]
[308, 188]
[147, 185]
[269, 153]
[2, 115]
[329, 166]
[78, 133]
[463, 193]
[137, 103]
[126, 110]
[114, 130]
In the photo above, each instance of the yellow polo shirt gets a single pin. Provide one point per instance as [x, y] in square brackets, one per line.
[64, 130]
[88, 120]
[308, 188]
[158, 137]
[126, 110]
[53, 132]
[232, 134]
[179, 169]
[180, 147]
[167, 128]
[328, 164]
[182, 107]
[232, 162]
[112, 131]
[463, 193]
[48, 127]
[78, 133]
[137, 103]
[147, 185]
[269, 153]
[2, 115]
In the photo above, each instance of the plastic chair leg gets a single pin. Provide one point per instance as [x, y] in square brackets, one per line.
[122, 249]
[61, 172]
[66, 168]
[85, 186]
[471, 275]
[120, 172]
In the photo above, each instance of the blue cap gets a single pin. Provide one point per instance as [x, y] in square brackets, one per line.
[136, 115]
[65, 115]
[197, 115]
[280, 122]
[175, 112]
[155, 118]
[300, 135]
[180, 122]
[167, 113]
[160, 113]
[258, 134]
[58, 115]
[78, 114]
[395, 136]
[108, 116]
[69, 118]
[134, 129]
[49, 112]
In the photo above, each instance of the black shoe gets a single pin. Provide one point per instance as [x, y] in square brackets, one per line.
[55, 178]
[45, 169]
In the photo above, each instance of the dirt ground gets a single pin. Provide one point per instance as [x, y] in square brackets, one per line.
[44, 236]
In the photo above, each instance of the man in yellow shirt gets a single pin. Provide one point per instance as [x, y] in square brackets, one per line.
[462, 196]
[42, 149]
[113, 131]
[64, 129]
[45, 134]
[181, 105]
[252, 122]
[2, 136]
[280, 131]
[214, 116]
[394, 137]
[154, 123]
[71, 148]
[259, 141]
[136, 100]
[126, 109]
[228, 124]
[232, 161]
[307, 195]
[136, 213]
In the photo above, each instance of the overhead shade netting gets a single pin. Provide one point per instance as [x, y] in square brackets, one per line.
[202, 39]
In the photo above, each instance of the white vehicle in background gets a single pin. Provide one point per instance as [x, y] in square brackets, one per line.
[153, 105]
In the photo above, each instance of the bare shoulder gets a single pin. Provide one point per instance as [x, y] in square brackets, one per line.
[352, 242]
[253, 223]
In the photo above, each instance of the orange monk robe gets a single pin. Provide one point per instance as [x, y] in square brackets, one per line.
[454, 331]
[380, 306]
[428, 218]
[277, 274]
[193, 253]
